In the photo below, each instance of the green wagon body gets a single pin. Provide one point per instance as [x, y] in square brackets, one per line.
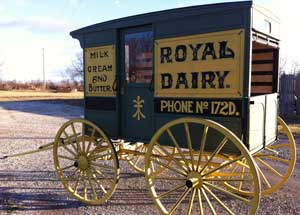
[128, 74]
[178, 94]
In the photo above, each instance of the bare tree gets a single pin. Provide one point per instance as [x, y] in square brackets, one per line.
[295, 68]
[282, 65]
[74, 71]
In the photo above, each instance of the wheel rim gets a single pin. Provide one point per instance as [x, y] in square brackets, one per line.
[85, 161]
[137, 161]
[190, 184]
[275, 163]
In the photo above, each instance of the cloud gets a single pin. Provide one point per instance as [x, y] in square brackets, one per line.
[2, 8]
[117, 3]
[20, 3]
[74, 3]
[37, 25]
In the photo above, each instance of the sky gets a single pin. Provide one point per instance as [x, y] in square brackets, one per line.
[29, 26]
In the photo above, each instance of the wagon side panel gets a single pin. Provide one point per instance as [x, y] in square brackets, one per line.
[100, 69]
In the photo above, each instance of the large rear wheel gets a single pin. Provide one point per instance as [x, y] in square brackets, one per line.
[275, 163]
[194, 176]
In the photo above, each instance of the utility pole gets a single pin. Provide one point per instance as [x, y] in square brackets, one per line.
[44, 80]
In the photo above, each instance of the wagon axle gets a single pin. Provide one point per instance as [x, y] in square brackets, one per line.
[82, 163]
[194, 180]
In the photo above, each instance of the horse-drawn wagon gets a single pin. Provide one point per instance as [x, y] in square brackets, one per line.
[189, 97]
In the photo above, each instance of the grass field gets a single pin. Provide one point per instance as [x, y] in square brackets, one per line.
[37, 95]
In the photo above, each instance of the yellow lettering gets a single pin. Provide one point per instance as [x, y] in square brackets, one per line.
[190, 106]
[163, 105]
[232, 108]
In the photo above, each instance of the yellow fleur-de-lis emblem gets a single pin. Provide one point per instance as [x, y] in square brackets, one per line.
[138, 104]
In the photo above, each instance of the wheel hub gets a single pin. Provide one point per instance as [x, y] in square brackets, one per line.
[82, 162]
[194, 180]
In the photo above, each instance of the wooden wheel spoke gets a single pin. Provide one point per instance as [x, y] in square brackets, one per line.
[84, 186]
[97, 148]
[75, 148]
[242, 177]
[189, 143]
[69, 150]
[169, 167]
[208, 202]
[178, 147]
[227, 179]
[73, 129]
[170, 156]
[222, 165]
[218, 200]
[200, 202]
[67, 167]
[202, 145]
[169, 178]
[92, 186]
[269, 167]
[71, 177]
[78, 146]
[69, 142]
[152, 167]
[281, 145]
[83, 137]
[99, 184]
[66, 158]
[170, 191]
[77, 182]
[178, 202]
[95, 157]
[103, 175]
[228, 193]
[191, 201]
[138, 159]
[262, 175]
[218, 149]
[272, 157]
[90, 141]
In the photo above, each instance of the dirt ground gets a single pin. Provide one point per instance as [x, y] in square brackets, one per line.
[28, 185]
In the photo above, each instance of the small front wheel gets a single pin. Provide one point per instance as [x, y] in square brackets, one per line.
[86, 161]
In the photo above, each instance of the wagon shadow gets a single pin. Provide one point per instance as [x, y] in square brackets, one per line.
[28, 193]
[59, 108]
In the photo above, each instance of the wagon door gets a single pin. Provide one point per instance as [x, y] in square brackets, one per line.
[136, 83]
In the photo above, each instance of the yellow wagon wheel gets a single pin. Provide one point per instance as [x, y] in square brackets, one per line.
[275, 163]
[86, 161]
[136, 160]
[193, 182]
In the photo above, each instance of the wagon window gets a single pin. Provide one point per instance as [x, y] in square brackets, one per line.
[139, 57]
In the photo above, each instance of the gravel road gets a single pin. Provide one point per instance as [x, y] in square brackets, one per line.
[29, 184]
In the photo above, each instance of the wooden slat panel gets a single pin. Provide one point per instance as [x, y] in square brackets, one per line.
[144, 60]
[261, 78]
[262, 67]
[144, 55]
[143, 65]
[261, 89]
[263, 56]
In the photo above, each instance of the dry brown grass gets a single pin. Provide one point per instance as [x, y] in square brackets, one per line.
[37, 95]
